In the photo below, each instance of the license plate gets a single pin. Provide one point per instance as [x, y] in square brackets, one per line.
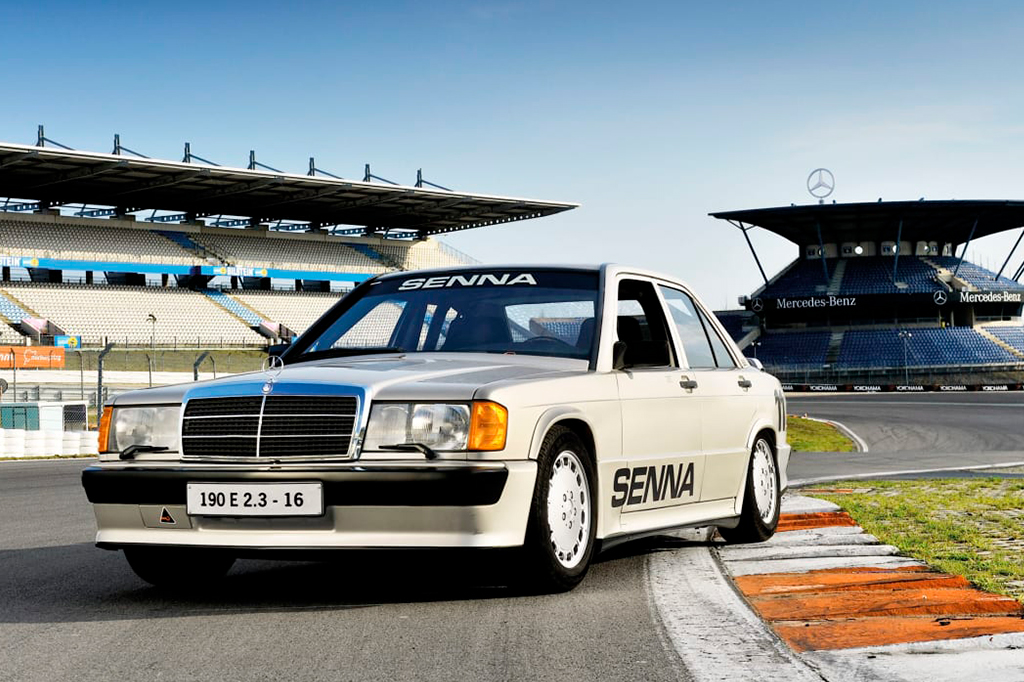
[255, 499]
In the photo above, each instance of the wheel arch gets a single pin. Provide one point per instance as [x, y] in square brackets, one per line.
[767, 429]
[571, 419]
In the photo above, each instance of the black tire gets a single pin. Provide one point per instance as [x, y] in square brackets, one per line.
[753, 525]
[543, 571]
[179, 568]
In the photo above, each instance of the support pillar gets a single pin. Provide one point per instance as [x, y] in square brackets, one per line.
[964, 252]
[1010, 255]
[896, 258]
[752, 250]
[821, 252]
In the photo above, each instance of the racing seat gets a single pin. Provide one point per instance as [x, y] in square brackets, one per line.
[640, 352]
[586, 335]
[483, 332]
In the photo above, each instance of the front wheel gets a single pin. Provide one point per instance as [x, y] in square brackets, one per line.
[179, 568]
[560, 535]
[762, 498]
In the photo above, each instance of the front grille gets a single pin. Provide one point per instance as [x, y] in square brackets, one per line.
[274, 426]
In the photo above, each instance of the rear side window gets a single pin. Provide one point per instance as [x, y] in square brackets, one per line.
[704, 348]
[722, 357]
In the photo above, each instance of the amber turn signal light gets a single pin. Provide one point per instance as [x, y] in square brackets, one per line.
[105, 429]
[488, 426]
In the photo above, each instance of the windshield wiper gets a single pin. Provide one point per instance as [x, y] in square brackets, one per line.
[132, 450]
[412, 447]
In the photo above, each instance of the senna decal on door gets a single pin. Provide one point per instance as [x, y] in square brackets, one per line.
[654, 486]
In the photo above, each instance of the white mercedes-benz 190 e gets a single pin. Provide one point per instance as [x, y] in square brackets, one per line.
[557, 410]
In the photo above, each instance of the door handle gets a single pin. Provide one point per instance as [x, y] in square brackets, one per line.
[688, 384]
[744, 383]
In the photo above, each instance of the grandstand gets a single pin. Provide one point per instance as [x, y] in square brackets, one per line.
[111, 248]
[295, 310]
[877, 290]
[110, 313]
[259, 269]
[59, 238]
[301, 252]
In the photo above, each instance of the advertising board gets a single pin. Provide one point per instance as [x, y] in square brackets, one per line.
[31, 357]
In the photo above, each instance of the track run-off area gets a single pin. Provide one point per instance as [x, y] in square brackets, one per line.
[655, 609]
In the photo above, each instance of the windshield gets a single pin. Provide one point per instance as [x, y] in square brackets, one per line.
[531, 312]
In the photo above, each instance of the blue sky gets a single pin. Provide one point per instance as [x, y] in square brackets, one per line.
[650, 115]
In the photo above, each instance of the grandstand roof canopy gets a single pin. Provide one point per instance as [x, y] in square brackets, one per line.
[60, 176]
[943, 221]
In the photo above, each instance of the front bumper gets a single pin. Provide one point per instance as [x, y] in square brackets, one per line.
[367, 505]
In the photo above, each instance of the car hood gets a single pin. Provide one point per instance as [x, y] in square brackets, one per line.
[434, 376]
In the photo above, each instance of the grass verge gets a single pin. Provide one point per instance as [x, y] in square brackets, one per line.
[971, 527]
[808, 435]
[164, 360]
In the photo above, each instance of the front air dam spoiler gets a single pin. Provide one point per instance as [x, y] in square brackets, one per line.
[358, 485]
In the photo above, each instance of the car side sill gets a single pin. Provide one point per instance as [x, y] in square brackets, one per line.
[618, 539]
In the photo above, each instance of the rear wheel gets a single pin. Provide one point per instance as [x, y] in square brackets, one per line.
[561, 532]
[762, 499]
[172, 567]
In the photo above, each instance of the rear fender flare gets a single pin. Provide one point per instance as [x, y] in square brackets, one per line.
[762, 424]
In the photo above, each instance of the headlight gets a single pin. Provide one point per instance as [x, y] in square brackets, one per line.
[439, 426]
[153, 426]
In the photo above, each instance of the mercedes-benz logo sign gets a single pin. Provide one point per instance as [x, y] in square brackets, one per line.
[940, 297]
[821, 183]
[757, 305]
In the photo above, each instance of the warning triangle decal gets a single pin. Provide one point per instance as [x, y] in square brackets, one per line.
[165, 517]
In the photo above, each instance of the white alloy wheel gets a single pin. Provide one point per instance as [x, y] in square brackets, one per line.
[765, 480]
[568, 509]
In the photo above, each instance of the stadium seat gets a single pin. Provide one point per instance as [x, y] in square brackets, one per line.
[862, 275]
[977, 276]
[881, 348]
[1013, 336]
[121, 314]
[285, 252]
[792, 350]
[418, 255]
[295, 310]
[92, 241]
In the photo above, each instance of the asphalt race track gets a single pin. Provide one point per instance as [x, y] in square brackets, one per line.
[915, 432]
[71, 611]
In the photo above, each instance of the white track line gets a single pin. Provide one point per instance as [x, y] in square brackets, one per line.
[861, 444]
[798, 483]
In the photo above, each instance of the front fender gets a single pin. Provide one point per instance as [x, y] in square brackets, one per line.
[551, 417]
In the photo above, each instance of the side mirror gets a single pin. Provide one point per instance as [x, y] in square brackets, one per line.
[619, 355]
[756, 364]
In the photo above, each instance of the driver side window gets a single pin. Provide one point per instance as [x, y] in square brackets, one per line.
[641, 325]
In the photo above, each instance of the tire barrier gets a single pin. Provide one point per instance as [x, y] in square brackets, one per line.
[22, 444]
